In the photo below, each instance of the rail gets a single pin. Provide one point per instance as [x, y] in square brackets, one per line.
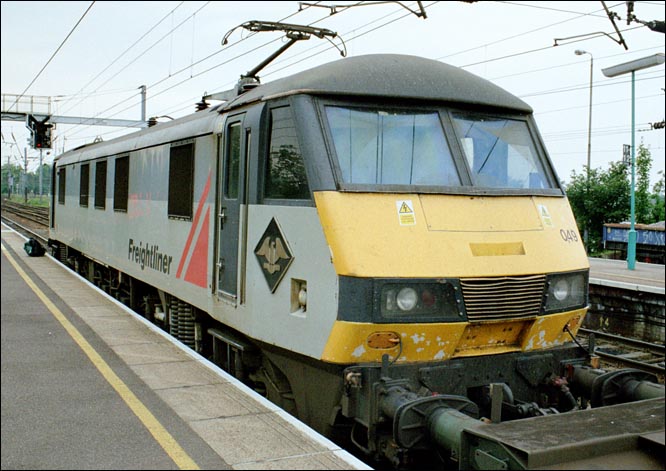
[614, 351]
[36, 214]
[651, 347]
[28, 220]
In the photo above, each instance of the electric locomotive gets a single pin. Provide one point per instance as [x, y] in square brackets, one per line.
[380, 245]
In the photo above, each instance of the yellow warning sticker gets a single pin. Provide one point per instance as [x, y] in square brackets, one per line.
[406, 212]
[545, 216]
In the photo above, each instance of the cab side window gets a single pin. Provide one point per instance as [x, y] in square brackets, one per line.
[285, 176]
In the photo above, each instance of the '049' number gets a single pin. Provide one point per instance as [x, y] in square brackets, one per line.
[569, 235]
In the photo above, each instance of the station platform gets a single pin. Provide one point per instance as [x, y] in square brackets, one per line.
[88, 384]
[647, 277]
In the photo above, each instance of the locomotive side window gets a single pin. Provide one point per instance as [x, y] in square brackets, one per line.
[121, 184]
[387, 147]
[500, 152]
[100, 185]
[285, 171]
[84, 185]
[232, 170]
[181, 181]
[61, 185]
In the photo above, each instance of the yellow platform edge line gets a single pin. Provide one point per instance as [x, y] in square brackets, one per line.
[161, 435]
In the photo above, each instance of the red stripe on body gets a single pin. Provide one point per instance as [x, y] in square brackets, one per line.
[190, 236]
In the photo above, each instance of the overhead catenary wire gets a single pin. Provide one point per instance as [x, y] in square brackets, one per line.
[352, 38]
[569, 108]
[52, 56]
[308, 57]
[539, 29]
[153, 95]
[210, 69]
[572, 88]
[142, 54]
[118, 58]
[229, 84]
[539, 93]
[543, 69]
[189, 67]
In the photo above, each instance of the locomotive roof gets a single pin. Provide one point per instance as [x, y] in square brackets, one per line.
[389, 75]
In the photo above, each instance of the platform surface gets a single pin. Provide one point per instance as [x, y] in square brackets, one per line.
[647, 277]
[88, 384]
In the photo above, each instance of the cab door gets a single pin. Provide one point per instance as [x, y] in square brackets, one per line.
[231, 204]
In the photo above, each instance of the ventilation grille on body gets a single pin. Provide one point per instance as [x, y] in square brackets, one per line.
[503, 298]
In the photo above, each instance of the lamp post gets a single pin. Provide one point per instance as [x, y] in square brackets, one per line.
[580, 52]
[620, 69]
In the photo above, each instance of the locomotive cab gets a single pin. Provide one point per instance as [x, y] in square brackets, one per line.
[439, 246]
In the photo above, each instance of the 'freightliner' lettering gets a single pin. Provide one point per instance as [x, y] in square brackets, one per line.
[149, 256]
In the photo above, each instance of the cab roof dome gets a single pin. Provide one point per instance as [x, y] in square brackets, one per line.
[394, 75]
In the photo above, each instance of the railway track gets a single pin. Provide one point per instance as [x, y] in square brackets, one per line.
[618, 351]
[29, 220]
[38, 215]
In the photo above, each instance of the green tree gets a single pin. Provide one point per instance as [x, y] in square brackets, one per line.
[613, 195]
[605, 198]
[31, 180]
[577, 192]
[642, 190]
[658, 207]
[12, 173]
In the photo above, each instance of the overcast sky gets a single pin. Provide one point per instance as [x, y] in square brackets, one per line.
[106, 51]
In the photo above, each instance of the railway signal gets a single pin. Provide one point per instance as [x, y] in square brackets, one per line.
[40, 132]
[43, 136]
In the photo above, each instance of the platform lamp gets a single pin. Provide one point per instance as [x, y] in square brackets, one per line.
[614, 71]
[580, 52]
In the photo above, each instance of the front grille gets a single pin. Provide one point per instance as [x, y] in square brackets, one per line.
[502, 298]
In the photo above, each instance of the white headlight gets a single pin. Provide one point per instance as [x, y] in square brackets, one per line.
[561, 290]
[578, 287]
[303, 297]
[407, 299]
[566, 291]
